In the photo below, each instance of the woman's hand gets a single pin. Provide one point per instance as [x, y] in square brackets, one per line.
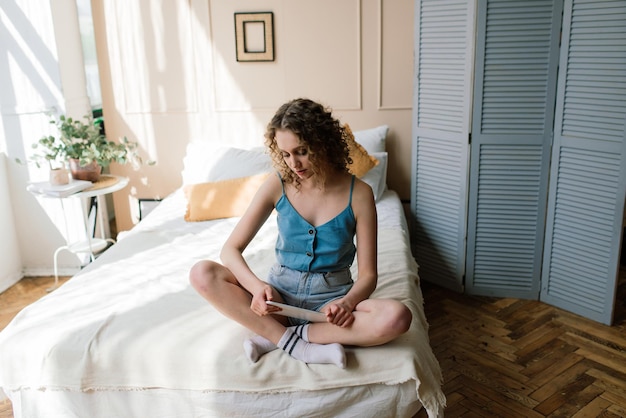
[258, 305]
[339, 313]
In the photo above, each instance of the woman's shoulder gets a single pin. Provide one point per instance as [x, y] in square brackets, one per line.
[272, 187]
[362, 189]
[363, 203]
[274, 177]
[362, 197]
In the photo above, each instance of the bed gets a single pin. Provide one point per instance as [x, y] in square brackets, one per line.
[129, 337]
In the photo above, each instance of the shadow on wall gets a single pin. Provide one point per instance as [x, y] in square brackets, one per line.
[169, 100]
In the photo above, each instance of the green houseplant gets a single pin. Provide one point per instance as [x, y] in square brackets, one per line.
[82, 146]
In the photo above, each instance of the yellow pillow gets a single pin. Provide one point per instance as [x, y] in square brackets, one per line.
[362, 162]
[221, 199]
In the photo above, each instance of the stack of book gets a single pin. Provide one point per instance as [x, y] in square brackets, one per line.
[58, 190]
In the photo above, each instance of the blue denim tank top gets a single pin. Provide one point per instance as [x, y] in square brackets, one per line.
[304, 247]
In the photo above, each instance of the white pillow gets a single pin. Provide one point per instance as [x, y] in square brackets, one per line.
[373, 140]
[377, 176]
[209, 162]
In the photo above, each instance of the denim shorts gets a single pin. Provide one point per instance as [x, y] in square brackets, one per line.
[309, 290]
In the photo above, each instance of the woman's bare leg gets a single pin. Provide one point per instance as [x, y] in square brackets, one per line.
[220, 287]
[376, 322]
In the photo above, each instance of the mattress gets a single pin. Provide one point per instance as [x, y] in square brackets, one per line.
[129, 337]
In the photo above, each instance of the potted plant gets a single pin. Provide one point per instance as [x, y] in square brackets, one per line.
[84, 148]
[51, 153]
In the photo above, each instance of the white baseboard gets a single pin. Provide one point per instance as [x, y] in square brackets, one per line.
[47, 271]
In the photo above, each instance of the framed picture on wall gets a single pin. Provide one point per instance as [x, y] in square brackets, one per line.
[254, 36]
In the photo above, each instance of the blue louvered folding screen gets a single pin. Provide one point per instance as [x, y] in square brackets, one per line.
[588, 176]
[515, 85]
[547, 167]
[441, 116]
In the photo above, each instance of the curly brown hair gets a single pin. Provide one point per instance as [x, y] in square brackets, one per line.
[323, 135]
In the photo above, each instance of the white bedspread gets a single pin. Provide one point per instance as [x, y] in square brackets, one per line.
[131, 321]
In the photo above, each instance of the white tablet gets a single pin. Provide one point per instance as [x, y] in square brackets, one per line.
[292, 311]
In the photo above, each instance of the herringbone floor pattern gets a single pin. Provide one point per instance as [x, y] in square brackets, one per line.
[518, 358]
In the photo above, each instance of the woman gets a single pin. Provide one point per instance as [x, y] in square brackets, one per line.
[321, 207]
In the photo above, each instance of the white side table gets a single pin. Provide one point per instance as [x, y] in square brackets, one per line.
[92, 245]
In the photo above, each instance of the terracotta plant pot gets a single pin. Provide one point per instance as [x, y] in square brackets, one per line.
[90, 172]
[59, 176]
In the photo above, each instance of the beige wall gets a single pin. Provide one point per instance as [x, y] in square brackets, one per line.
[11, 261]
[169, 75]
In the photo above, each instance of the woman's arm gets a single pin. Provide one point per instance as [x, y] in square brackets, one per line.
[364, 208]
[255, 216]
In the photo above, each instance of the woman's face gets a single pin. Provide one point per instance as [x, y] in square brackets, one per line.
[295, 152]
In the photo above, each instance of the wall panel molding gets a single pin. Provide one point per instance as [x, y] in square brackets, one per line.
[395, 63]
[322, 64]
[146, 65]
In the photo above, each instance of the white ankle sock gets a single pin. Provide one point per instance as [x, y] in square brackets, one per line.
[302, 331]
[301, 350]
[256, 346]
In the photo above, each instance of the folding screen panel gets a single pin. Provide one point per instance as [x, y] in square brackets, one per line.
[547, 169]
[442, 96]
[588, 175]
[515, 83]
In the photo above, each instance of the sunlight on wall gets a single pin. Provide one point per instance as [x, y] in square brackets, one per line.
[28, 57]
[10, 260]
[30, 81]
[88, 42]
[171, 76]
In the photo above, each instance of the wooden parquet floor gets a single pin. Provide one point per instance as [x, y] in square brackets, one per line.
[500, 357]
[519, 358]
